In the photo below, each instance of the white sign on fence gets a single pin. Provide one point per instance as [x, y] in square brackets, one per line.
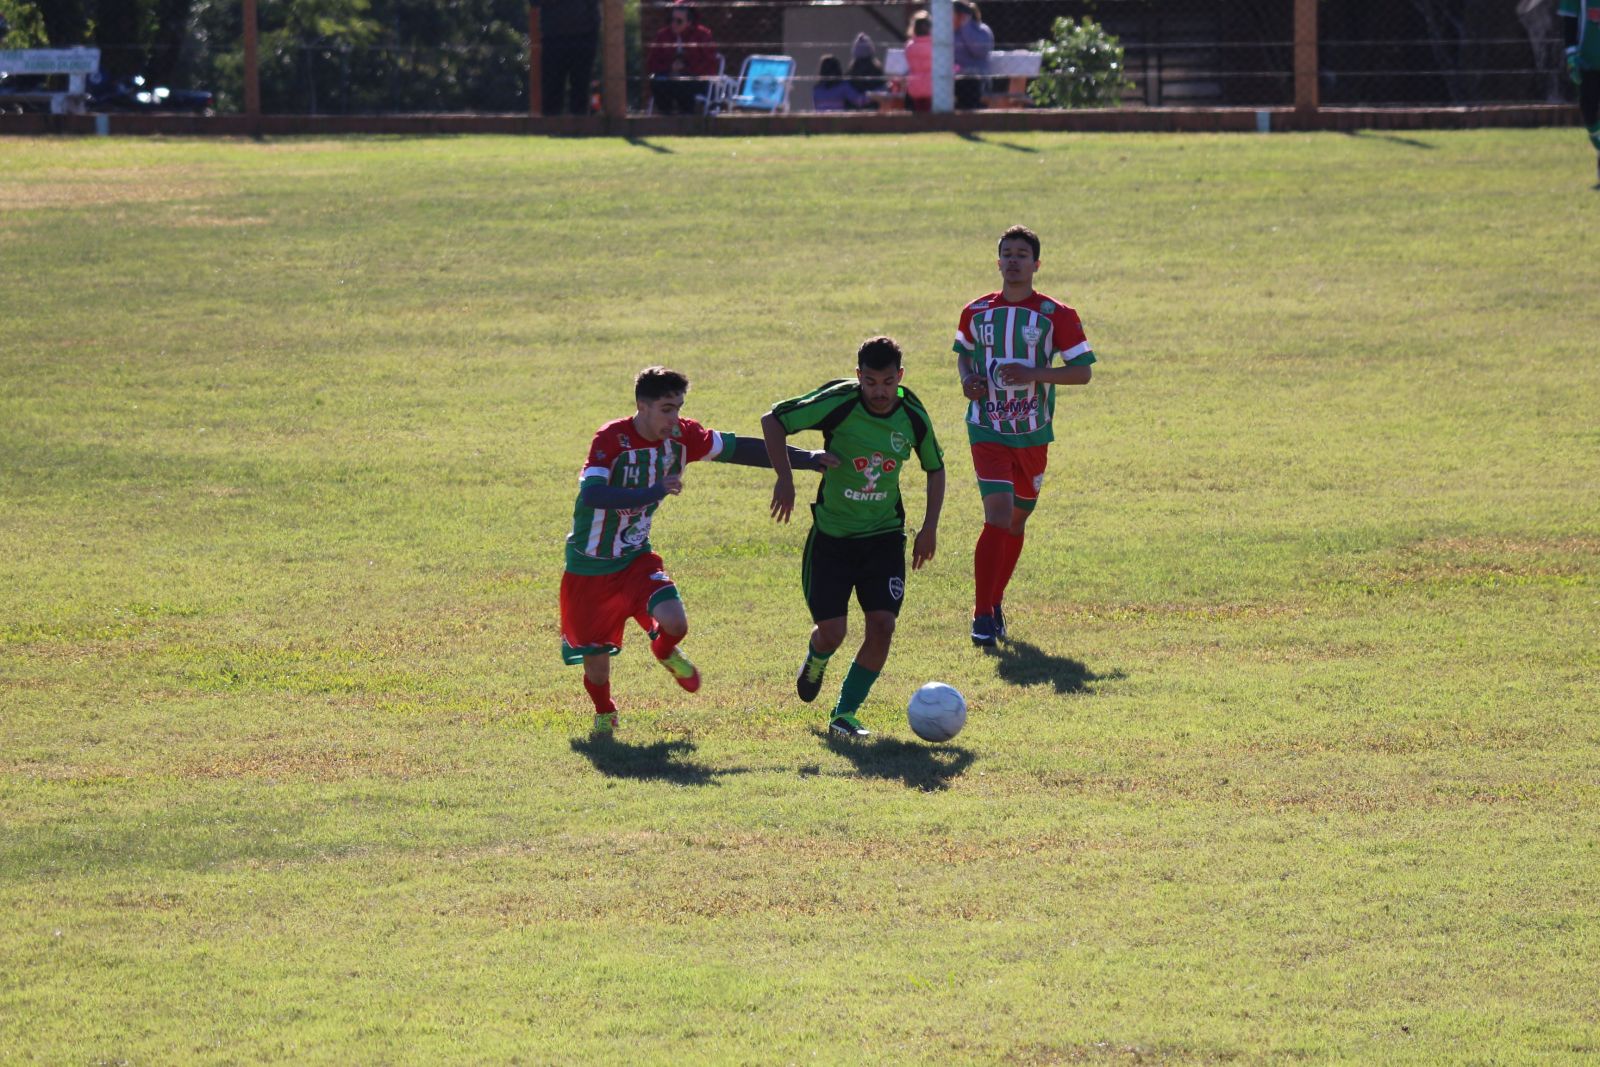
[76, 63]
[49, 60]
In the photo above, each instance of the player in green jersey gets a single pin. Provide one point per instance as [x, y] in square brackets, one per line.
[873, 427]
[1580, 27]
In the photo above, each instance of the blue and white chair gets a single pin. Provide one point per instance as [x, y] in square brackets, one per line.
[764, 83]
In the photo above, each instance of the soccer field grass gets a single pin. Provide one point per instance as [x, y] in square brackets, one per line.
[1295, 753]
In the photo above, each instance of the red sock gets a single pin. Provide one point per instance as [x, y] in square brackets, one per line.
[664, 643]
[986, 562]
[1010, 552]
[601, 695]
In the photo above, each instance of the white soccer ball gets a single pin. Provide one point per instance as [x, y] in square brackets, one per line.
[937, 712]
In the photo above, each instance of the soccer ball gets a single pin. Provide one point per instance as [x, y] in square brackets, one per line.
[937, 712]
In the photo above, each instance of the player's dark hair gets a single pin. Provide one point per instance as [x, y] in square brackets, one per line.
[878, 353]
[1020, 233]
[653, 383]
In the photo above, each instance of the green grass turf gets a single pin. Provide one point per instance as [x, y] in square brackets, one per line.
[1293, 757]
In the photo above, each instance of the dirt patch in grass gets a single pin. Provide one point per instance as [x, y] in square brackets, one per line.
[49, 193]
[328, 766]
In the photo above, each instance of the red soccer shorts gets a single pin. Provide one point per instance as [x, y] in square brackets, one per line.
[1018, 471]
[595, 608]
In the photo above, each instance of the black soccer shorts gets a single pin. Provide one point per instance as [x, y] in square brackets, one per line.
[873, 567]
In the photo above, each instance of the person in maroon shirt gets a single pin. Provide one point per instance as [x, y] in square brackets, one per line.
[680, 61]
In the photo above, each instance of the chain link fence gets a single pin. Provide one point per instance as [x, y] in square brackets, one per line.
[1192, 53]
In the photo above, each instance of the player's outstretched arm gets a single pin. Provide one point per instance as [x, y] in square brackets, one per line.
[600, 495]
[748, 452]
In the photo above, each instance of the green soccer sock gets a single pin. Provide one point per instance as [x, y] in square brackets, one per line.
[857, 684]
[816, 659]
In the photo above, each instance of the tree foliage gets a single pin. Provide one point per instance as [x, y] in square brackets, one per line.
[1081, 65]
[24, 24]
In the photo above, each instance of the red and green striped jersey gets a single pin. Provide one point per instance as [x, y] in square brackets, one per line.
[1587, 12]
[605, 540]
[994, 332]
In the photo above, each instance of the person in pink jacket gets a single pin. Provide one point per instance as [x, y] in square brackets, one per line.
[919, 62]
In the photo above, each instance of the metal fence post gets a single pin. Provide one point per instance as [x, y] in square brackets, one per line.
[944, 56]
[1305, 57]
[535, 64]
[613, 61]
[252, 69]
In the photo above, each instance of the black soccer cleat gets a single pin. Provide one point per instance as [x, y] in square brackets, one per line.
[983, 631]
[848, 726]
[808, 683]
[999, 623]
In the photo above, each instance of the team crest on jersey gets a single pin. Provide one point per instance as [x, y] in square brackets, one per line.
[1031, 334]
[897, 587]
[1047, 308]
[897, 441]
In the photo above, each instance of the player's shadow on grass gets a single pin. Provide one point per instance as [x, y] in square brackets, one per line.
[919, 766]
[1021, 663]
[658, 149]
[1393, 138]
[663, 761]
[978, 138]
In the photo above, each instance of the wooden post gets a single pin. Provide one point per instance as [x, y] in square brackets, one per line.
[1305, 57]
[252, 69]
[535, 64]
[613, 61]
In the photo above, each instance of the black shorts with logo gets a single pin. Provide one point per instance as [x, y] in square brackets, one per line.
[873, 567]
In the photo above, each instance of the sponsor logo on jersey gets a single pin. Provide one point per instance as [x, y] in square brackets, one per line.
[1011, 410]
[637, 534]
[622, 439]
[898, 442]
[897, 587]
[980, 305]
[871, 468]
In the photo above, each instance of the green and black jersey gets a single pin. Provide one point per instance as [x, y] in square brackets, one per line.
[861, 496]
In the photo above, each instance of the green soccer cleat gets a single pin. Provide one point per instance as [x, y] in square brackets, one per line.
[605, 724]
[683, 672]
[848, 726]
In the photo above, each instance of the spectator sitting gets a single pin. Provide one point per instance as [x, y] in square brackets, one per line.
[974, 41]
[833, 93]
[919, 63]
[866, 73]
[681, 61]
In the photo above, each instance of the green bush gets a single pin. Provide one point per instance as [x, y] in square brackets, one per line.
[1081, 66]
